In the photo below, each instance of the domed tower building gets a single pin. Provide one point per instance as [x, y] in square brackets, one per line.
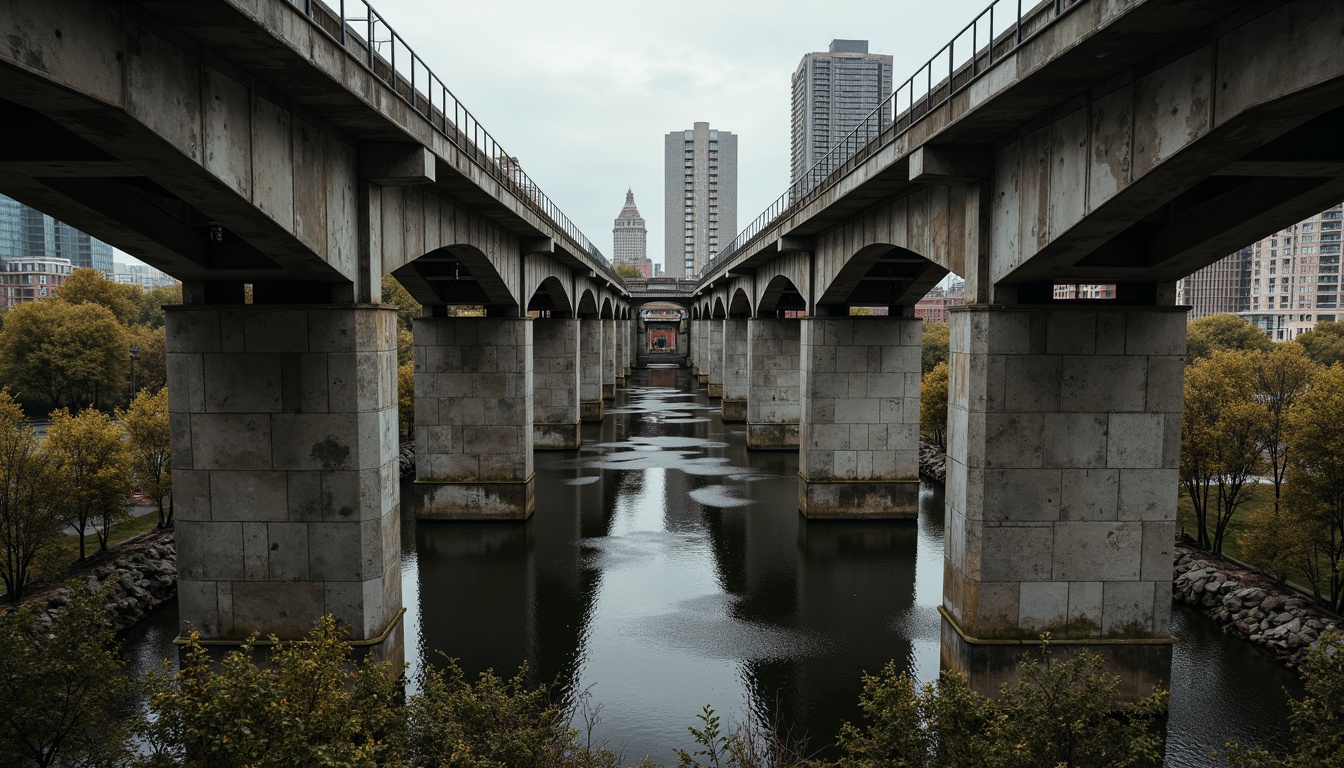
[630, 240]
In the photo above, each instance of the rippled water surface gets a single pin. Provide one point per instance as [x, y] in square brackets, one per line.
[667, 568]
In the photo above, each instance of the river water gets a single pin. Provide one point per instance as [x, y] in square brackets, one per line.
[667, 568]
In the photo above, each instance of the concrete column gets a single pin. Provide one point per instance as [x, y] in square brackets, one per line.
[736, 379]
[692, 339]
[620, 334]
[702, 353]
[859, 431]
[555, 384]
[715, 358]
[590, 369]
[632, 349]
[284, 438]
[1064, 429]
[773, 406]
[608, 359]
[473, 418]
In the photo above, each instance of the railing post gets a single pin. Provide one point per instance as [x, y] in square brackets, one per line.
[1019, 22]
[343, 25]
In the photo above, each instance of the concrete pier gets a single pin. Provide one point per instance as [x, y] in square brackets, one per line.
[590, 369]
[1063, 453]
[608, 358]
[284, 438]
[555, 384]
[621, 338]
[715, 382]
[859, 428]
[702, 353]
[473, 418]
[736, 377]
[773, 400]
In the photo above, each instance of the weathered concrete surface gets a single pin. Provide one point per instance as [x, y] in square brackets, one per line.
[555, 384]
[736, 376]
[1063, 449]
[284, 437]
[715, 352]
[859, 426]
[590, 369]
[621, 337]
[473, 418]
[773, 400]
[609, 352]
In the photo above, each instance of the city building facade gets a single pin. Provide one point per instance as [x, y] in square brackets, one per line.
[937, 304]
[833, 93]
[1223, 287]
[1294, 276]
[699, 197]
[142, 275]
[630, 239]
[28, 279]
[27, 233]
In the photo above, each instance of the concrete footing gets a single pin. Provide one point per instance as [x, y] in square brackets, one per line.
[859, 431]
[734, 410]
[284, 437]
[772, 437]
[1064, 428]
[474, 405]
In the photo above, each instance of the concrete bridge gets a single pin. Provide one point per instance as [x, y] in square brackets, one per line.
[1083, 142]
[306, 152]
[278, 146]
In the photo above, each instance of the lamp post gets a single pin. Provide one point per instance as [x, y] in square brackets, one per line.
[135, 355]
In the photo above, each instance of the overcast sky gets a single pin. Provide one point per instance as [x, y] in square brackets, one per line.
[583, 91]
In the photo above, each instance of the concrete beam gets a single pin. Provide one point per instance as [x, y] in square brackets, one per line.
[531, 245]
[796, 245]
[394, 164]
[949, 165]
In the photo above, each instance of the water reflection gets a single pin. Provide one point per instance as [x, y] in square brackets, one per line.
[667, 568]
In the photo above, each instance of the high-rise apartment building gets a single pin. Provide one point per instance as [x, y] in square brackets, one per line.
[630, 239]
[833, 93]
[27, 233]
[699, 197]
[1223, 287]
[1294, 276]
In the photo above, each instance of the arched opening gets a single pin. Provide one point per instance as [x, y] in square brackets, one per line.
[587, 305]
[456, 275]
[660, 328]
[608, 309]
[780, 297]
[551, 300]
[719, 312]
[881, 275]
[740, 304]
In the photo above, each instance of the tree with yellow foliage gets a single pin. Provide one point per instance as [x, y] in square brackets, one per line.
[148, 442]
[29, 520]
[933, 405]
[92, 465]
[1315, 481]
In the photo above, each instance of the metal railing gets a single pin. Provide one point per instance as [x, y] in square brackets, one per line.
[369, 39]
[991, 36]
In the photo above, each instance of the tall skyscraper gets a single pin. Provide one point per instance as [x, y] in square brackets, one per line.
[833, 92]
[27, 233]
[630, 240]
[1223, 287]
[1294, 276]
[699, 197]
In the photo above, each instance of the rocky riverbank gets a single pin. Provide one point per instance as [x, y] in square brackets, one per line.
[932, 462]
[1281, 620]
[146, 577]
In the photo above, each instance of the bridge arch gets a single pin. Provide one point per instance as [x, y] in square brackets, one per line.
[882, 275]
[740, 304]
[551, 297]
[587, 306]
[719, 311]
[608, 309]
[780, 294]
[457, 274]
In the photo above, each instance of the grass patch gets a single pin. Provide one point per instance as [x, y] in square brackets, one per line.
[1256, 496]
[66, 549]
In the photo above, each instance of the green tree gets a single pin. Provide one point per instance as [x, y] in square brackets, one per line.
[625, 270]
[1222, 436]
[934, 346]
[1315, 481]
[29, 520]
[1281, 543]
[406, 397]
[395, 293]
[90, 286]
[153, 301]
[405, 346]
[63, 692]
[92, 470]
[148, 442]
[69, 354]
[1222, 333]
[151, 368]
[1059, 713]
[1315, 721]
[933, 405]
[1324, 344]
[308, 704]
[1282, 375]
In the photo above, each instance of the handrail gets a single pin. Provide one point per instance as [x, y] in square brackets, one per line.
[1002, 36]
[387, 56]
